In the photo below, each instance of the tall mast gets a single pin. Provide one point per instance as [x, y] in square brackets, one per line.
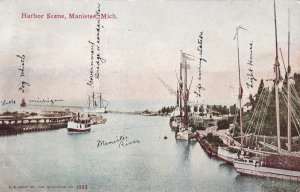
[240, 85]
[185, 91]
[276, 82]
[93, 99]
[100, 100]
[180, 86]
[289, 93]
[177, 97]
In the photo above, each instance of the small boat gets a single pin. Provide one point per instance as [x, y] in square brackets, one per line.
[78, 127]
[79, 124]
[272, 166]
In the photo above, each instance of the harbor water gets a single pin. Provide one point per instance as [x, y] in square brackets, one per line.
[142, 161]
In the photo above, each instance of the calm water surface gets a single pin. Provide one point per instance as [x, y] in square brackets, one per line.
[56, 158]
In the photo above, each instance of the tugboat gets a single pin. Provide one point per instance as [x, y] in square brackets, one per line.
[79, 124]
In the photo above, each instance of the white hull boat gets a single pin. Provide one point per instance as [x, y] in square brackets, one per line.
[253, 167]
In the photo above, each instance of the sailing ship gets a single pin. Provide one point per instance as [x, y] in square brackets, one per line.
[233, 151]
[79, 124]
[95, 108]
[183, 130]
[176, 120]
[96, 104]
[283, 164]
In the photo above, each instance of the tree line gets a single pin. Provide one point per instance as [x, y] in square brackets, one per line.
[269, 127]
[216, 109]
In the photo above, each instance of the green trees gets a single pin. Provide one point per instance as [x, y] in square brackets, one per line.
[269, 123]
[297, 82]
[260, 89]
[222, 109]
[223, 124]
[233, 109]
[252, 101]
[166, 110]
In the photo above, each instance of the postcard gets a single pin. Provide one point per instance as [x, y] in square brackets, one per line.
[149, 95]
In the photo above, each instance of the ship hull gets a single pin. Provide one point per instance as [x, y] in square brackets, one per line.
[226, 155]
[182, 135]
[95, 110]
[211, 150]
[76, 130]
[175, 123]
[78, 127]
[186, 135]
[257, 170]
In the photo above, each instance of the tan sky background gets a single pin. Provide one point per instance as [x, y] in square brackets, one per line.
[144, 41]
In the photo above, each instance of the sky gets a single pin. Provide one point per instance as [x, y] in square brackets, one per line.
[142, 43]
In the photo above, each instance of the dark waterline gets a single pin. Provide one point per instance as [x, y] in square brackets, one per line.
[55, 158]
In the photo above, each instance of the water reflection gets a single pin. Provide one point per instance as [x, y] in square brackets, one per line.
[155, 164]
[227, 167]
[268, 184]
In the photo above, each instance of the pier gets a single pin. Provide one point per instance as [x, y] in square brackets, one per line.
[9, 126]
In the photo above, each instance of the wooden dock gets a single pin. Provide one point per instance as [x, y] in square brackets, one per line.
[9, 126]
